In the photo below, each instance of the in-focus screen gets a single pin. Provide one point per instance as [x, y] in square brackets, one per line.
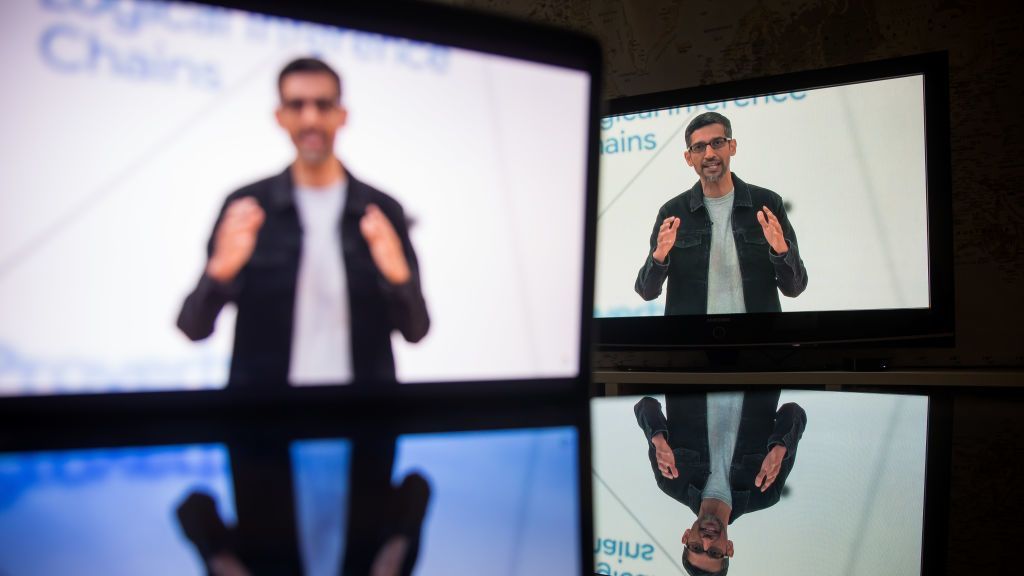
[755, 482]
[194, 197]
[809, 200]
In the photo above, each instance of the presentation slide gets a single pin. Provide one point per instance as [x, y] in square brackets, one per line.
[756, 482]
[842, 170]
[130, 123]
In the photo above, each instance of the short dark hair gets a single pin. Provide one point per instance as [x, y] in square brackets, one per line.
[694, 571]
[307, 66]
[707, 119]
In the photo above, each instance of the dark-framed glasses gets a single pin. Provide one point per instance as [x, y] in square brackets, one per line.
[716, 144]
[322, 105]
[697, 548]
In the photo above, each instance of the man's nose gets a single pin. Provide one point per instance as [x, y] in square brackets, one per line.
[310, 114]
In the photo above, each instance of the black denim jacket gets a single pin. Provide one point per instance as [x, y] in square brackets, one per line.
[686, 428]
[264, 290]
[764, 272]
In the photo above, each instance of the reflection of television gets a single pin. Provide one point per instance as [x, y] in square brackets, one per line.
[852, 162]
[133, 122]
[298, 505]
[861, 488]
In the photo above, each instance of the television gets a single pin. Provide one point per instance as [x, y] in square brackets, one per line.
[810, 481]
[808, 208]
[248, 197]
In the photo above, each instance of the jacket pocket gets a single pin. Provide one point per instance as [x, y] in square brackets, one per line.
[753, 236]
[687, 456]
[688, 240]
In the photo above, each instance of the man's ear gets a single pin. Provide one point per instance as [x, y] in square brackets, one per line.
[689, 160]
[686, 535]
[343, 116]
[729, 551]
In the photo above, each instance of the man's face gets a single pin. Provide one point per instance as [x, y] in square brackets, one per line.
[711, 165]
[707, 541]
[311, 113]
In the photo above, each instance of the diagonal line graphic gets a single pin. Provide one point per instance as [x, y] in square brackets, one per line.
[638, 522]
[98, 195]
[643, 168]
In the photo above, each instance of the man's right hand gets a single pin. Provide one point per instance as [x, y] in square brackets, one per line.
[666, 459]
[235, 239]
[666, 238]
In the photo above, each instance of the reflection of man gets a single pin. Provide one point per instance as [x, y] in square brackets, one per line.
[722, 455]
[725, 246]
[319, 264]
[383, 527]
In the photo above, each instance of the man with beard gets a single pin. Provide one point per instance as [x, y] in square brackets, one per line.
[318, 263]
[722, 455]
[725, 246]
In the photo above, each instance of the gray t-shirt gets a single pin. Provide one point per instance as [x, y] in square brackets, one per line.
[321, 338]
[725, 409]
[725, 283]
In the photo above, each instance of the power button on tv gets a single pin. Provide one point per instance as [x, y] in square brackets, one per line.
[718, 332]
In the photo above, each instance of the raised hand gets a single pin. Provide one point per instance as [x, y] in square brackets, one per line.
[772, 230]
[235, 239]
[385, 245]
[666, 459]
[666, 238]
[770, 467]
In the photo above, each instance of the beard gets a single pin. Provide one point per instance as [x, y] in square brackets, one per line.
[315, 154]
[713, 176]
[710, 524]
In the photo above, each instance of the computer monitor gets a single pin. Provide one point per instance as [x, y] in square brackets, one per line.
[255, 196]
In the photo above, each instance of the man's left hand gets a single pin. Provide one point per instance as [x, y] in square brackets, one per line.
[772, 230]
[385, 245]
[770, 467]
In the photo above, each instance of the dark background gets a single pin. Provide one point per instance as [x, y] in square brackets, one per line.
[657, 45]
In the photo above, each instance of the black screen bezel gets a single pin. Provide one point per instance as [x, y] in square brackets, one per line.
[933, 326]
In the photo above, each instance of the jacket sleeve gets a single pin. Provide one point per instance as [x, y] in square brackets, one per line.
[407, 309]
[790, 421]
[790, 274]
[652, 274]
[202, 306]
[650, 417]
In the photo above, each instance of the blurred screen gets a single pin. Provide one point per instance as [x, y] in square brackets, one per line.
[129, 125]
[106, 511]
[841, 168]
[446, 503]
[439, 503]
[819, 482]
